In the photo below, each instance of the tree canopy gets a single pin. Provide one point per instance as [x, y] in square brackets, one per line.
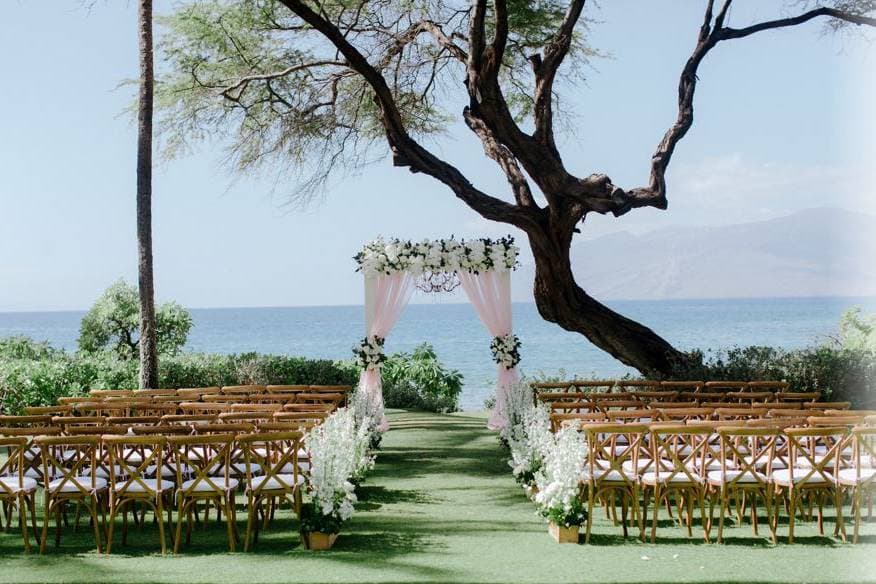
[113, 324]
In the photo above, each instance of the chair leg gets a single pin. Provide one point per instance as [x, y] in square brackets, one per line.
[22, 519]
[92, 510]
[230, 523]
[60, 505]
[792, 512]
[656, 511]
[46, 516]
[725, 504]
[754, 513]
[179, 521]
[159, 516]
[111, 526]
[706, 527]
[250, 517]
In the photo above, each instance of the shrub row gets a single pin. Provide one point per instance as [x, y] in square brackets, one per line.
[34, 373]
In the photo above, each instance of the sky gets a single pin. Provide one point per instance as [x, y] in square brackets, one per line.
[785, 120]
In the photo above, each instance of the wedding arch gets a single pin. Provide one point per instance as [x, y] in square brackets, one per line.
[393, 269]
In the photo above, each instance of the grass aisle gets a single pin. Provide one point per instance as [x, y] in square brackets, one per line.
[441, 506]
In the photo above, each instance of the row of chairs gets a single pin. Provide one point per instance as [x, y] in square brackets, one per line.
[638, 385]
[697, 461]
[160, 468]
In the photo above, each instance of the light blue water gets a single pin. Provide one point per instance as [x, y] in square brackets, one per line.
[462, 343]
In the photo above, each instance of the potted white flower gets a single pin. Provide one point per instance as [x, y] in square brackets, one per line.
[338, 454]
[559, 485]
[529, 441]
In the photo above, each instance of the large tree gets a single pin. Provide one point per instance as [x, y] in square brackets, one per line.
[313, 84]
[148, 343]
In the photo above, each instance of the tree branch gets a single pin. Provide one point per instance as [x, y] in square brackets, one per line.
[405, 150]
[727, 33]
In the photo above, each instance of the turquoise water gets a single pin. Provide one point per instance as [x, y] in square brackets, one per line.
[462, 342]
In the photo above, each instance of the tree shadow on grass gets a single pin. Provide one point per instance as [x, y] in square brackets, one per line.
[377, 494]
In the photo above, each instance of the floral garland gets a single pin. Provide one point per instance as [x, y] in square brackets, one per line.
[369, 353]
[559, 478]
[506, 350]
[384, 257]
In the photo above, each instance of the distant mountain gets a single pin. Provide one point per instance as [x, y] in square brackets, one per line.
[814, 252]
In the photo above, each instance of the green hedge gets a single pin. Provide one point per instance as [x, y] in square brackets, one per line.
[33, 374]
[36, 374]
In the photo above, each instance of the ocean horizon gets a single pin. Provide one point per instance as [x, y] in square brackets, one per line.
[462, 343]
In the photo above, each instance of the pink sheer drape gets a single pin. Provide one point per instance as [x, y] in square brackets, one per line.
[385, 300]
[490, 294]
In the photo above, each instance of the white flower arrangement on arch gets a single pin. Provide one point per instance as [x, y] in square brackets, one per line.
[506, 350]
[384, 257]
[369, 353]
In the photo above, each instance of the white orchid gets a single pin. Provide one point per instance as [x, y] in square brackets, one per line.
[382, 257]
[559, 478]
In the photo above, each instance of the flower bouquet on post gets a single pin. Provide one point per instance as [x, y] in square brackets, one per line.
[559, 485]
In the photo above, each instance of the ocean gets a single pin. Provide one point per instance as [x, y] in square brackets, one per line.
[462, 343]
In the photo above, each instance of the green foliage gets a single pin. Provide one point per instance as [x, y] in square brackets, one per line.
[251, 75]
[113, 324]
[419, 380]
[840, 374]
[34, 374]
[858, 331]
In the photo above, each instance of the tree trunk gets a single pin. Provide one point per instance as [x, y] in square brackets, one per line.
[562, 301]
[148, 344]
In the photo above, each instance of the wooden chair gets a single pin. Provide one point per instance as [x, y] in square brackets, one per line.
[725, 386]
[860, 478]
[70, 483]
[138, 482]
[798, 397]
[207, 457]
[750, 397]
[682, 386]
[103, 393]
[50, 411]
[579, 407]
[195, 393]
[272, 472]
[827, 405]
[684, 414]
[25, 421]
[16, 489]
[649, 397]
[308, 408]
[771, 386]
[747, 456]
[559, 420]
[243, 389]
[188, 419]
[810, 473]
[612, 469]
[680, 454]
[740, 413]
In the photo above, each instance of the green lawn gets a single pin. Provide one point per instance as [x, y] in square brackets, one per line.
[441, 506]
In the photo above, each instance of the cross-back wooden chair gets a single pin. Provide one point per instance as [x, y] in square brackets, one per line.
[682, 386]
[684, 414]
[195, 393]
[654, 396]
[25, 421]
[703, 396]
[207, 457]
[559, 420]
[272, 473]
[56, 410]
[189, 408]
[747, 455]
[810, 473]
[681, 453]
[740, 413]
[608, 405]
[860, 478]
[243, 389]
[138, 482]
[315, 417]
[188, 419]
[70, 483]
[224, 398]
[252, 407]
[673, 405]
[798, 396]
[613, 461]
[17, 490]
[750, 397]
[33, 466]
[568, 407]
[844, 405]
[308, 407]
[103, 393]
[772, 386]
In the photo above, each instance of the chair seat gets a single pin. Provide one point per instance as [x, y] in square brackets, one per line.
[797, 476]
[135, 456]
[851, 476]
[717, 477]
[274, 483]
[302, 467]
[711, 465]
[642, 464]
[203, 486]
[606, 475]
[762, 462]
[104, 471]
[65, 485]
[663, 477]
[148, 485]
[819, 459]
[239, 468]
[168, 472]
[16, 485]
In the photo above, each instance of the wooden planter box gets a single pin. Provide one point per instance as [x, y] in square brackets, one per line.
[563, 534]
[316, 540]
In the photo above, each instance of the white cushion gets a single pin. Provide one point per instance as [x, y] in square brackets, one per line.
[642, 464]
[15, 484]
[797, 475]
[819, 459]
[135, 456]
[850, 476]
[717, 477]
[274, 483]
[168, 471]
[204, 487]
[711, 464]
[652, 478]
[302, 466]
[103, 471]
[69, 485]
[608, 475]
[150, 485]
[239, 468]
